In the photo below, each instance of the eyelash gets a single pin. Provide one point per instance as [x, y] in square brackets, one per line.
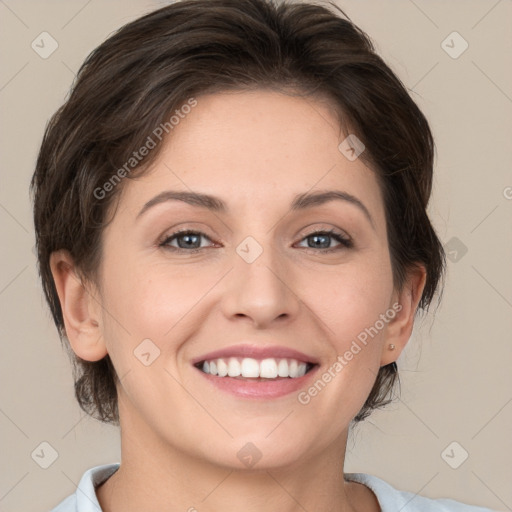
[346, 243]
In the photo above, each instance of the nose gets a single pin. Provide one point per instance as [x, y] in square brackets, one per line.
[261, 291]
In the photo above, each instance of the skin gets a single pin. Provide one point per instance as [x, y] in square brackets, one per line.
[180, 435]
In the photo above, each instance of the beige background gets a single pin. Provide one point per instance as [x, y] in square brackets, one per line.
[456, 378]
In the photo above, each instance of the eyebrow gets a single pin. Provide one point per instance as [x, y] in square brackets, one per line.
[215, 204]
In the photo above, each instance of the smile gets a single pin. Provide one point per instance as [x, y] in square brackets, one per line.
[257, 371]
[251, 368]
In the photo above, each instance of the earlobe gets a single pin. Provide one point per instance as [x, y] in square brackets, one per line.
[79, 309]
[399, 330]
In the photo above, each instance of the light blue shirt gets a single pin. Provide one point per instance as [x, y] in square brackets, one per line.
[390, 499]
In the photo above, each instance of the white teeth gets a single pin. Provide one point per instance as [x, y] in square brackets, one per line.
[282, 368]
[248, 367]
[222, 368]
[233, 367]
[268, 369]
[292, 368]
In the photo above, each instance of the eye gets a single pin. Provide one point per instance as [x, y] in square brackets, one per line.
[190, 241]
[321, 240]
[187, 240]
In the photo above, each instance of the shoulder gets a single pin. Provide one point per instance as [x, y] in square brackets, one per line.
[85, 494]
[391, 499]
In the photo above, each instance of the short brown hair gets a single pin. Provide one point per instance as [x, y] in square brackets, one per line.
[136, 79]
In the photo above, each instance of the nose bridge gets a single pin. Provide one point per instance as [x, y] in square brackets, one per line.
[259, 285]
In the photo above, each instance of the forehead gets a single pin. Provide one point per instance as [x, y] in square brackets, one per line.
[255, 148]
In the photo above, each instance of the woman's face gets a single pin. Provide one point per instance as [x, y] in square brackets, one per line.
[252, 281]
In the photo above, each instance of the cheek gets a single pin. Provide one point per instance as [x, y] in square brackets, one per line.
[150, 301]
[351, 303]
[351, 300]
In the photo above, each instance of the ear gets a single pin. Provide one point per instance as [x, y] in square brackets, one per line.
[80, 309]
[405, 303]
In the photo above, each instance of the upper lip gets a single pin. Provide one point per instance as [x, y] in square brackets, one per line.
[257, 352]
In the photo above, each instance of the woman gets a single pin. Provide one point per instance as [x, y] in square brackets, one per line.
[232, 235]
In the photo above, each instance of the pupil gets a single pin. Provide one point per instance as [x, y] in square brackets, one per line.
[325, 239]
[188, 239]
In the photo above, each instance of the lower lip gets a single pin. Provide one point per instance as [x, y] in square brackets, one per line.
[265, 388]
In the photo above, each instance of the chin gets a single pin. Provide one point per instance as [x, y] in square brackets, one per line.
[258, 452]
